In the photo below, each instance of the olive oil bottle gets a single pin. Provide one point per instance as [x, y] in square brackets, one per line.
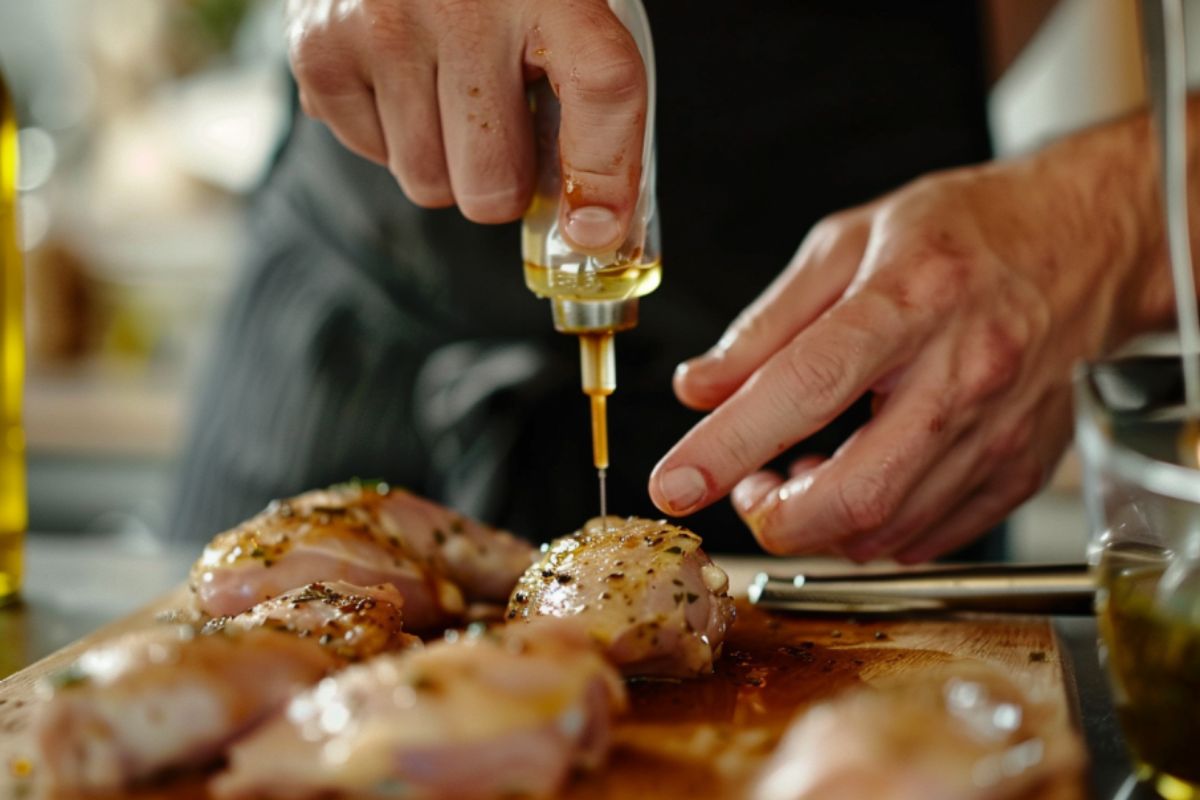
[13, 509]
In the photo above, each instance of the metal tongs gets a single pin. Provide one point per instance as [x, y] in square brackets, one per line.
[992, 588]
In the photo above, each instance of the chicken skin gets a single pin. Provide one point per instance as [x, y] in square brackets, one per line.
[354, 622]
[166, 698]
[644, 590]
[962, 735]
[479, 715]
[367, 535]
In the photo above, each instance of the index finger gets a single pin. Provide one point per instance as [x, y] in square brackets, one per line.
[799, 390]
[595, 69]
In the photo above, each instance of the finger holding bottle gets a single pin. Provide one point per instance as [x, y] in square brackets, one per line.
[437, 92]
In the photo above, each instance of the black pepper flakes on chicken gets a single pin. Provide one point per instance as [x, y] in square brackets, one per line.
[367, 535]
[643, 589]
[355, 622]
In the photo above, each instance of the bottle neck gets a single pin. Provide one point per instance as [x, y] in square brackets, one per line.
[594, 316]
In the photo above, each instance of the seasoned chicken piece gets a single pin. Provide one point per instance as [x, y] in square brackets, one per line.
[964, 735]
[479, 715]
[166, 698]
[366, 535]
[355, 622]
[643, 589]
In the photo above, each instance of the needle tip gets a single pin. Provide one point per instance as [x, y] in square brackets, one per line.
[601, 474]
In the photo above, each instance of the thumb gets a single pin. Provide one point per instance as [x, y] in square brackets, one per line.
[594, 67]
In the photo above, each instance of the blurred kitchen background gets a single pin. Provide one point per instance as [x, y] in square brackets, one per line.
[145, 125]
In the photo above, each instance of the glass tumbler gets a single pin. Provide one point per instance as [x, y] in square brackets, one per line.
[1138, 443]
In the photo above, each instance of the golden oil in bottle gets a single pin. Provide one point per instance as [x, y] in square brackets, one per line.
[1153, 660]
[620, 281]
[13, 510]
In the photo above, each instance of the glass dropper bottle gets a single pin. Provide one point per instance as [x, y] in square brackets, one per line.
[593, 295]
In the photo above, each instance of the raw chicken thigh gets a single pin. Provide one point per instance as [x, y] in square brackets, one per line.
[643, 589]
[166, 698]
[354, 622]
[366, 535]
[479, 715]
[967, 735]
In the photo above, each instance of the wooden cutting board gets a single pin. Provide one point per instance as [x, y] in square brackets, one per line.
[691, 739]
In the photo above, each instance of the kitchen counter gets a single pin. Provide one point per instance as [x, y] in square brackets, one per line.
[75, 584]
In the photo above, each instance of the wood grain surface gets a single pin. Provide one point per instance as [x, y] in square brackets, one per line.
[699, 738]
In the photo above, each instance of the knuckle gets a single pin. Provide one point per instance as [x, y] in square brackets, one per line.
[835, 223]
[427, 187]
[993, 363]
[749, 327]
[734, 444]
[460, 33]
[923, 185]
[317, 54]
[1002, 346]
[1010, 442]
[774, 539]
[419, 167]
[814, 380]
[453, 13]
[428, 195]
[390, 30]
[1039, 314]
[862, 504]
[932, 282]
[827, 229]
[608, 68]
[936, 413]
[494, 185]
[839, 224]
[320, 70]
[824, 238]
[776, 529]
[358, 142]
[503, 205]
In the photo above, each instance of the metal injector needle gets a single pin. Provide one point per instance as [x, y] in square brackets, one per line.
[598, 367]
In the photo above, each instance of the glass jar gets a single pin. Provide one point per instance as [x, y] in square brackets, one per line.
[1138, 443]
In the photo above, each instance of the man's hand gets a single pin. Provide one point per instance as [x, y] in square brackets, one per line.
[435, 89]
[961, 301]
